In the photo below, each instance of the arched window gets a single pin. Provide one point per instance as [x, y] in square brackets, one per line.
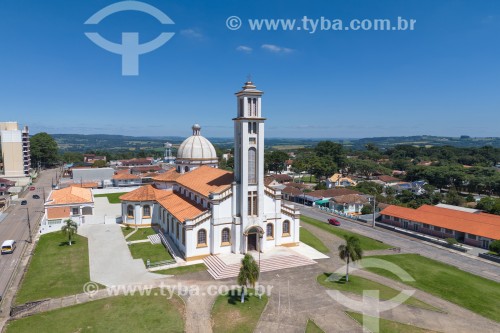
[286, 228]
[202, 237]
[186, 169]
[226, 236]
[252, 166]
[269, 230]
[146, 211]
[130, 211]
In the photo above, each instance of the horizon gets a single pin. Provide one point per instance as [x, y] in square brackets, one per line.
[440, 78]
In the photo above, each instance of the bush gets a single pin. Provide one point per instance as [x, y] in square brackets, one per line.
[451, 241]
[367, 209]
[495, 246]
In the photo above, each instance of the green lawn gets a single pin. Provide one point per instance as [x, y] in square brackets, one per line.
[465, 289]
[115, 314]
[56, 269]
[230, 315]
[112, 197]
[153, 252]
[367, 243]
[357, 284]
[127, 230]
[389, 326]
[307, 237]
[183, 269]
[311, 327]
[141, 233]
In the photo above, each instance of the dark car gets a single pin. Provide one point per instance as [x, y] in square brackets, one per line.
[334, 222]
[36, 196]
[24, 202]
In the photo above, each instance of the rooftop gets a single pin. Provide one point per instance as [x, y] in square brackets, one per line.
[70, 195]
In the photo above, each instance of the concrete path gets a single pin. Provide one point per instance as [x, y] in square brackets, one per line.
[297, 297]
[111, 263]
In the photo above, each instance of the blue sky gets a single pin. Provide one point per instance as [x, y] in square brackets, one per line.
[443, 78]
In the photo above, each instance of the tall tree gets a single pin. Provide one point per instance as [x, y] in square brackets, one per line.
[275, 161]
[350, 251]
[249, 274]
[69, 228]
[43, 150]
[333, 150]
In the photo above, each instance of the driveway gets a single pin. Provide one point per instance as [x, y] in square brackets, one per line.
[111, 263]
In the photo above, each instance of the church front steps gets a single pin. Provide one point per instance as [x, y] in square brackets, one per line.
[220, 270]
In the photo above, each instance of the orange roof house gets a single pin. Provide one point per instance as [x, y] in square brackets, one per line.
[484, 225]
[70, 195]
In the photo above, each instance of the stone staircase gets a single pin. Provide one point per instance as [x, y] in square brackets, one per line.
[155, 239]
[218, 269]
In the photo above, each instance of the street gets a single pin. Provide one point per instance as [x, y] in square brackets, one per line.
[413, 245]
[15, 224]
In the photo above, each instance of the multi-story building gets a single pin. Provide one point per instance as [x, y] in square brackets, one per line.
[15, 150]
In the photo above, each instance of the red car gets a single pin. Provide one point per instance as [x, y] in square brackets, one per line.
[32, 188]
[334, 222]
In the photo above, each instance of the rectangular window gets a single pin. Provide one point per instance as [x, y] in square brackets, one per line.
[396, 219]
[252, 141]
[437, 228]
[183, 236]
[469, 236]
[75, 211]
[426, 226]
[252, 203]
[177, 231]
[449, 231]
[252, 166]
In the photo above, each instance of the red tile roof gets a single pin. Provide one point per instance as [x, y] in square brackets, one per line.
[332, 192]
[145, 193]
[181, 208]
[471, 223]
[125, 176]
[388, 179]
[205, 179]
[168, 176]
[70, 195]
[58, 213]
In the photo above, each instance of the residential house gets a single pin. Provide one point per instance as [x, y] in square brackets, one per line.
[476, 229]
[349, 203]
[337, 180]
[126, 179]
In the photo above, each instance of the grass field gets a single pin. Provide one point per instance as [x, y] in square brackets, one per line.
[142, 233]
[357, 284]
[56, 269]
[112, 197]
[183, 269]
[307, 237]
[114, 314]
[465, 289]
[230, 315]
[367, 244]
[311, 327]
[389, 326]
[153, 252]
[127, 230]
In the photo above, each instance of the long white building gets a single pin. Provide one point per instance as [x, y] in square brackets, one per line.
[205, 210]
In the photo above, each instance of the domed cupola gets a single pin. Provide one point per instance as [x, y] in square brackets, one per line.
[195, 151]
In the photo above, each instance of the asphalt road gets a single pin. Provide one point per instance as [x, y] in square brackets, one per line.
[15, 224]
[412, 245]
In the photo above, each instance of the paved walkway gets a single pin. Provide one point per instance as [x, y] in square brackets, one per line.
[297, 297]
[111, 263]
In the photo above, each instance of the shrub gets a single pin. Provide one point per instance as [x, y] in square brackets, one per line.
[495, 246]
[451, 241]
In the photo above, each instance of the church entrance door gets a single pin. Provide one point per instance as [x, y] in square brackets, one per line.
[252, 242]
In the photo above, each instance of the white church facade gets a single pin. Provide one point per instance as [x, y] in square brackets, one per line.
[204, 210]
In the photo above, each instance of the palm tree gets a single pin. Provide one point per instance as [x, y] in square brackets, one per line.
[350, 251]
[249, 274]
[69, 228]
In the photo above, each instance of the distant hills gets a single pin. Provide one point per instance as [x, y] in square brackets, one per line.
[82, 143]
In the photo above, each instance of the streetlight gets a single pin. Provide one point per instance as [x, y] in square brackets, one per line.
[374, 205]
[29, 225]
[261, 236]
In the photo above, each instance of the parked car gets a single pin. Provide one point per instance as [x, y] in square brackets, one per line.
[8, 246]
[333, 221]
[24, 202]
[36, 196]
[32, 188]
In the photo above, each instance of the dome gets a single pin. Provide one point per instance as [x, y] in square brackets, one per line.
[196, 149]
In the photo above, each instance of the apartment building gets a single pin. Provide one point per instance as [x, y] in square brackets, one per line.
[15, 144]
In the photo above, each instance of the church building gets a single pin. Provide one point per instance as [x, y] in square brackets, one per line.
[204, 210]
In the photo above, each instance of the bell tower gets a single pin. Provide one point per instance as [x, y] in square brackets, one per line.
[249, 161]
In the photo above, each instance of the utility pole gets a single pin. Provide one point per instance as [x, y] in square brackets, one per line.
[29, 225]
[374, 210]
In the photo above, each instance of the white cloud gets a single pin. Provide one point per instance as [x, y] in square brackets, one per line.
[243, 48]
[192, 33]
[275, 48]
